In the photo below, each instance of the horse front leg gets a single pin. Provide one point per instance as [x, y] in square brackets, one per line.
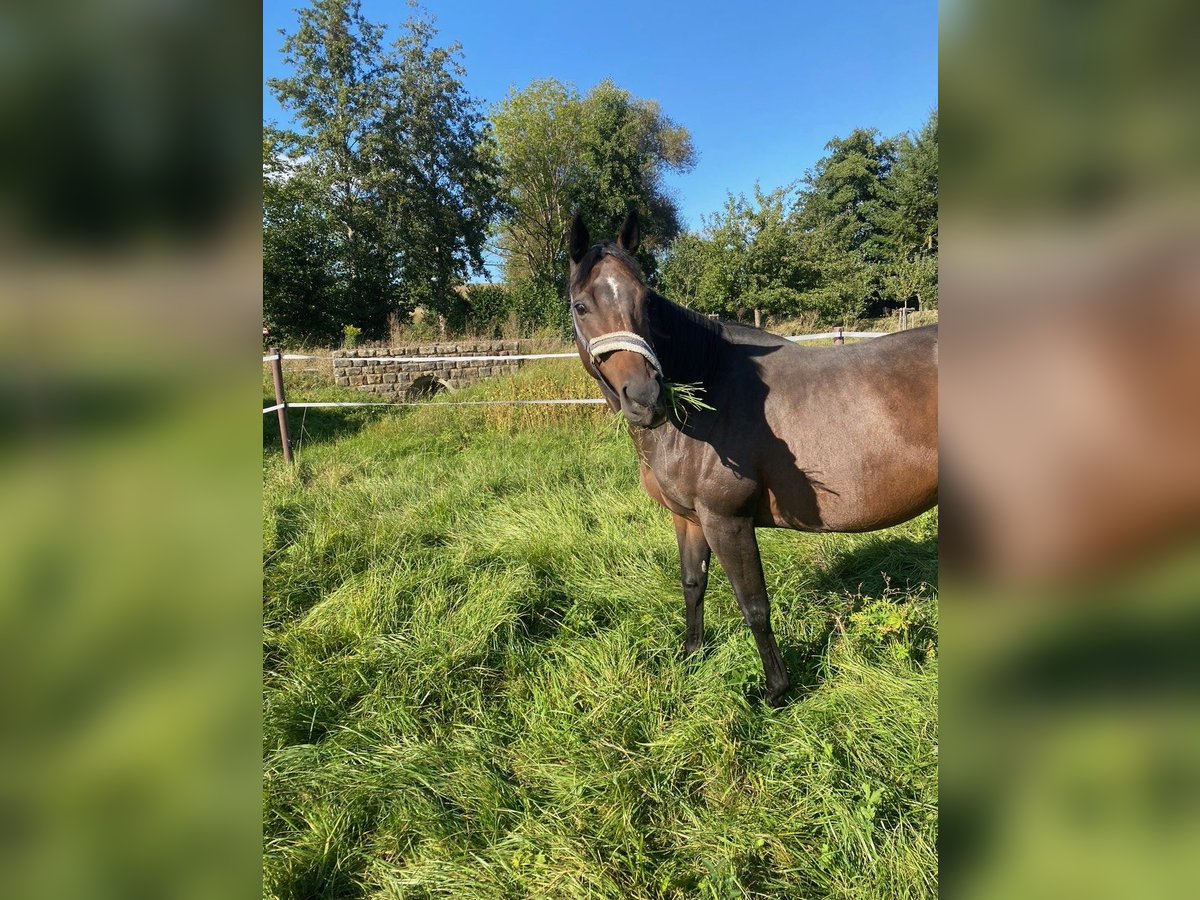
[694, 554]
[733, 540]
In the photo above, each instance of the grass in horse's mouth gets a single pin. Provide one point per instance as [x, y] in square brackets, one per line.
[679, 398]
[682, 396]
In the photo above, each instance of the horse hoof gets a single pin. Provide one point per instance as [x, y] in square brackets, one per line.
[776, 697]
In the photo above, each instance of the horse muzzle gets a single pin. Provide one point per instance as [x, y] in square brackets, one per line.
[644, 405]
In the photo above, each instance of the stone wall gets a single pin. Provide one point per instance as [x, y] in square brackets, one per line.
[395, 380]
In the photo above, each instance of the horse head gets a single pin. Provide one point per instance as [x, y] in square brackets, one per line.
[609, 309]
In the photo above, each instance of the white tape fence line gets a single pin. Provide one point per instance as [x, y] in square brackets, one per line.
[326, 405]
[835, 334]
[829, 335]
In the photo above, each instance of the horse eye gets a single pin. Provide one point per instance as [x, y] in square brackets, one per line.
[580, 308]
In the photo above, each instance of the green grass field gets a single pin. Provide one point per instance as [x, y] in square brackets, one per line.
[473, 684]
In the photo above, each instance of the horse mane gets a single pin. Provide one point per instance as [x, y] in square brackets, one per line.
[687, 343]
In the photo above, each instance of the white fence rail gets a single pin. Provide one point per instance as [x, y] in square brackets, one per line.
[837, 335]
[824, 336]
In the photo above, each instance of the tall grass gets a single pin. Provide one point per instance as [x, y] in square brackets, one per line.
[473, 684]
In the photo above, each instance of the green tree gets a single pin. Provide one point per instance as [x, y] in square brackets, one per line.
[844, 189]
[390, 152]
[778, 271]
[843, 281]
[913, 279]
[336, 96]
[300, 300]
[439, 174]
[682, 270]
[839, 214]
[750, 257]
[862, 229]
[537, 148]
[601, 154]
[907, 220]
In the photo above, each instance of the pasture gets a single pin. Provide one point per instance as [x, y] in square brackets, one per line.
[474, 686]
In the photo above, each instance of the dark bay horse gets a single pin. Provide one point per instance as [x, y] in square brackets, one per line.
[833, 439]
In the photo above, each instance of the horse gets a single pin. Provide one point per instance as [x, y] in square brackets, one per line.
[834, 439]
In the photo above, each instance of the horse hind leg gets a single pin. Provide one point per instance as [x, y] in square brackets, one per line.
[736, 547]
[694, 555]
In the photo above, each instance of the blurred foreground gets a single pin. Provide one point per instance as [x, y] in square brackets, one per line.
[130, 278]
[1071, 427]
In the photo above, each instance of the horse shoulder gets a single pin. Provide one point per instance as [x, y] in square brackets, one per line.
[653, 488]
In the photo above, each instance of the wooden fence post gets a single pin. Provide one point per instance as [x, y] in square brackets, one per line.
[838, 338]
[277, 375]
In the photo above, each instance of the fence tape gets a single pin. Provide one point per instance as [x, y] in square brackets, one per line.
[271, 409]
[834, 334]
[433, 359]
[326, 405]
[522, 356]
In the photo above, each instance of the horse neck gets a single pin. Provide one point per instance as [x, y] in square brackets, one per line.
[687, 344]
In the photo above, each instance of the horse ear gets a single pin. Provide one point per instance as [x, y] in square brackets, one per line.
[580, 240]
[629, 238]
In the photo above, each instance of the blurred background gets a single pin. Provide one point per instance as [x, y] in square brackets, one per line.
[1070, 278]
[130, 278]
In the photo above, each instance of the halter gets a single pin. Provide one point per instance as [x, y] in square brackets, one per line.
[618, 340]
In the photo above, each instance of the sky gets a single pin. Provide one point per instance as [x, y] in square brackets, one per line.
[761, 86]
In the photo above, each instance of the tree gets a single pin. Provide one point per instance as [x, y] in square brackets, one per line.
[908, 217]
[390, 153]
[537, 146]
[843, 279]
[682, 270]
[839, 216]
[913, 279]
[862, 229]
[300, 303]
[750, 257]
[907, 220]
[336, 96]
[844, 190]
[440, 173]
[601, 154]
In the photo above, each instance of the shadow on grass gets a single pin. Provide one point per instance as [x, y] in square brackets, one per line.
[885, 562]
[871, 568]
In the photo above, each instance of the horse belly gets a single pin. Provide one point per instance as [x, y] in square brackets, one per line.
[869, 498]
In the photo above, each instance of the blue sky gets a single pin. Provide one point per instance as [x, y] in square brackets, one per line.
[761, 86]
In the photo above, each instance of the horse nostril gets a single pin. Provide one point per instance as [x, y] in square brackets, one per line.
[632, 399]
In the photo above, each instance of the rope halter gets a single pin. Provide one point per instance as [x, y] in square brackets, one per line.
[619, 340]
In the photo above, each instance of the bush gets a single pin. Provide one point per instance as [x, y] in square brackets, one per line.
[540, 306]
[486, 309]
